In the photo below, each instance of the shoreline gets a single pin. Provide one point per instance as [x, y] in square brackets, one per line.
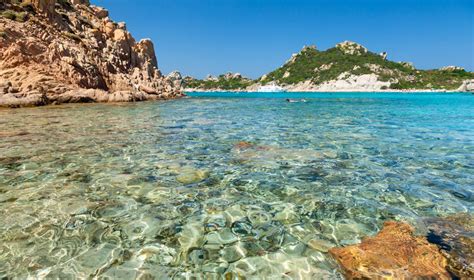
[25, 103]
[118, 103]
[81, 96]
[326, 91]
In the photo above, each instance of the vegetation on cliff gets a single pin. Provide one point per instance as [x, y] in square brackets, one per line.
[346, 60]
[323, 66]
[222, 82]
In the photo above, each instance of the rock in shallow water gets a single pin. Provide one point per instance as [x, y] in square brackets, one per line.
[243, 145]
[191, 176]
[233, 253]
[455, 237]
[395, 252]
[223, 237]
[320, 245]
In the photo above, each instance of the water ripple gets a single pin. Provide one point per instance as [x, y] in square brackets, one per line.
[209, 188]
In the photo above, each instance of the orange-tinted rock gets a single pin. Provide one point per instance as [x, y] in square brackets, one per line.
[75, 54]
[43, 6]
[243, 145]
[395, 253]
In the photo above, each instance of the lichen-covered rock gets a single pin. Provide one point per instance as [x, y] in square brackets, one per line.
[211, 78]
[69, 47]
[451, 68]
[395, 253]
[351, 48]
[230, 75]
[408, 65]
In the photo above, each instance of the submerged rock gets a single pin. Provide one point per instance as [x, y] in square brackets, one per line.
[455, 237]
[395, 252]
[223, 237]
[242, 145]
[320, 245]
[233, 253]
[241, 228]
[190, 238]
[258, 217]
[191, 176]
[287, 215]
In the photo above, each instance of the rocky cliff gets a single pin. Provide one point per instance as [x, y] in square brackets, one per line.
[60, 51]
[348, 67]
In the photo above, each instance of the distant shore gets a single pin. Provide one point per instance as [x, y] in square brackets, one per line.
[333, 91]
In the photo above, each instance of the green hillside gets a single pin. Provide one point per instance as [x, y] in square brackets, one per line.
[323, 66]
[223, 82]
[343, 60]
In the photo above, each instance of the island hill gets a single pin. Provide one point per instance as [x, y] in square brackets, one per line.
[63, 51]
[346, 67]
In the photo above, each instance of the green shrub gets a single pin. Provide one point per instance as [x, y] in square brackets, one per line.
[221, 83]
[12, 15]
[21, 17]
[9, 15]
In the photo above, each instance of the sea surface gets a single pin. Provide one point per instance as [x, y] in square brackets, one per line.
[224, 184]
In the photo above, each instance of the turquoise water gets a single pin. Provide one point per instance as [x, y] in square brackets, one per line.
[220, 184]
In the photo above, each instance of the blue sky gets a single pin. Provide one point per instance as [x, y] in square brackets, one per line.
[253, 37]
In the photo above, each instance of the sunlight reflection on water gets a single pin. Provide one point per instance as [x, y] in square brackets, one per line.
[210, 186]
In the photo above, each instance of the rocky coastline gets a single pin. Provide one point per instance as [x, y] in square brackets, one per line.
[310, 90]
[54, 52]
[363, 83]
[333, 87]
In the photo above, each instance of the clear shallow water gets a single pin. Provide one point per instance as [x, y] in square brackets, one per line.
[207, 186]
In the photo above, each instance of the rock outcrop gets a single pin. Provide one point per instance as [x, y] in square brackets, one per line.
[211, 78]
[70, 51]
[351, 48]
[394, 253]
[451, 68]
[455, 237]
[230, 75]
[345, 82]
[176, 78]
[467, 86]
